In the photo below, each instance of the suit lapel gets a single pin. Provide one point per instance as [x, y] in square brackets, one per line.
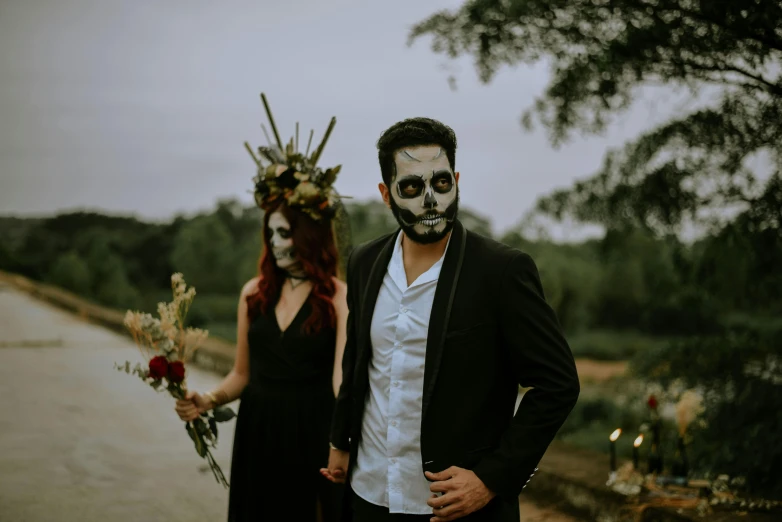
[371, 291]
[441, 309]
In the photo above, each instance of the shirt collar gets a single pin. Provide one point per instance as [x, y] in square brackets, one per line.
[396, 267]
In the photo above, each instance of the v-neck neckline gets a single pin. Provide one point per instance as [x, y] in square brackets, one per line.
[398, 272]
[296, 316]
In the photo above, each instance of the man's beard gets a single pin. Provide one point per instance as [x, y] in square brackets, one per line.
[408, 221]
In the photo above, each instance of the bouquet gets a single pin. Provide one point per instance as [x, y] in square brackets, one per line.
[167, 345]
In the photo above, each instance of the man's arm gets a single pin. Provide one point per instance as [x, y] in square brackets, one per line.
[340, 422]
[540, 358]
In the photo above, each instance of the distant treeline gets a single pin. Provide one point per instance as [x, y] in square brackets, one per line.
[628, 280]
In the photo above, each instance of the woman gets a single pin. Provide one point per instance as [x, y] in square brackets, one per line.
[292, 323]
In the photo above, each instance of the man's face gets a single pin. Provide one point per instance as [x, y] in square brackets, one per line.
[423, 194]
[281, 241]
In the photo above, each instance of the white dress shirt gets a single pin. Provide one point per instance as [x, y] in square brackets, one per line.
[388, 470]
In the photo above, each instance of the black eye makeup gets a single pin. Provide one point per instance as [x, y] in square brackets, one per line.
[284, 233]
[411, 187]
[442, 182]
[414, 186]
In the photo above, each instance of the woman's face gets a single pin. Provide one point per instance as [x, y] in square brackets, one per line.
[281, 240]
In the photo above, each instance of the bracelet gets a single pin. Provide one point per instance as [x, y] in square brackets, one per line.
[212, 396]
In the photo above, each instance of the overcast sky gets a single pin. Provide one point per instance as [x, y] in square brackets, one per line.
[142, 106]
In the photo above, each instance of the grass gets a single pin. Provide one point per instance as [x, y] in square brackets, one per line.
[222, 330]
[757, 321]
[594, 418]
[595, 437]
[206, 308]
[608, 345]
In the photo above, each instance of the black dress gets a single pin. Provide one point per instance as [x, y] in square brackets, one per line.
[282, 431]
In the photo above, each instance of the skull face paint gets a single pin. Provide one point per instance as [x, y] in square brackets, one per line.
[281, 241]
[424, 196]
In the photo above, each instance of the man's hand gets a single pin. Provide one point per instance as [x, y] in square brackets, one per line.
[337, 471]
[463, 493]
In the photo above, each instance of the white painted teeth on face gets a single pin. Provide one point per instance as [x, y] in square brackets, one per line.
[283, 253]
[431, 222]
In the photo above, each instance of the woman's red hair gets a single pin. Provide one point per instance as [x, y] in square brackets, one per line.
[315, 250]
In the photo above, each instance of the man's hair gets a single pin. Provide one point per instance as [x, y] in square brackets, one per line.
[413, 132]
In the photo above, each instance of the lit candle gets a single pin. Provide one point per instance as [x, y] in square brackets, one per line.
[612, 438]
[638, 441]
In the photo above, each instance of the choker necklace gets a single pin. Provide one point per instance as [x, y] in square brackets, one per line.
[297, 279]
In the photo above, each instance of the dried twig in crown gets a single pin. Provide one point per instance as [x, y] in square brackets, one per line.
[252, 154]
[319, 150]
[271, 121]
[309, 143]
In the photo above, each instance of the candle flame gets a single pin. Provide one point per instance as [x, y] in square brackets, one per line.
[638, 440]
[615, 435]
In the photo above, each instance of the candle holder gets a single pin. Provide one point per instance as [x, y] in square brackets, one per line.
[637, 444]
[655, 462]
[612, 447]
[680, 467]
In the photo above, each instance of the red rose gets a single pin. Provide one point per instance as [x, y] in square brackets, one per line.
[158, 367]
[652, 402]
[176, 372]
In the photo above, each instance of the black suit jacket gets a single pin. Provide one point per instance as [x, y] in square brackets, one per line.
[490, 331]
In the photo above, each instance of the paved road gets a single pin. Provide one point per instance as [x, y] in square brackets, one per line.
[82, 442]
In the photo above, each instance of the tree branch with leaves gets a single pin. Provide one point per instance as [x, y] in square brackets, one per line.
[602, 52]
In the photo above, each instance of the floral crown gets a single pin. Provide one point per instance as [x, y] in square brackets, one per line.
[293, 176]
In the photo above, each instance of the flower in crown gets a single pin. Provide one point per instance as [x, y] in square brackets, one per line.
[293, 176]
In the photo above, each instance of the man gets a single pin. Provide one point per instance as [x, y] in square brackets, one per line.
[444, 326]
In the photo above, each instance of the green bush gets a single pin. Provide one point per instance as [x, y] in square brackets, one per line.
[689, 311]
[216, 307]
[204, 252]
[606, 345]
[115, 290]
[223, 330]
[592, 421]
[71, 272]
[740, 374]
[590, 411]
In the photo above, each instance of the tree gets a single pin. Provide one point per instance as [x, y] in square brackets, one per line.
[475, 222]
[110, 282]
[570, 274]
[8, 261]
[204, 251]
[114, 288]
[370, 220]
[602, 52]
[147, 256]
[71, 272]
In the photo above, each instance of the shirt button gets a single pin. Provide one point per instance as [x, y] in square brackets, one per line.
[404, 310]
[393, 423]
[396, 384]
